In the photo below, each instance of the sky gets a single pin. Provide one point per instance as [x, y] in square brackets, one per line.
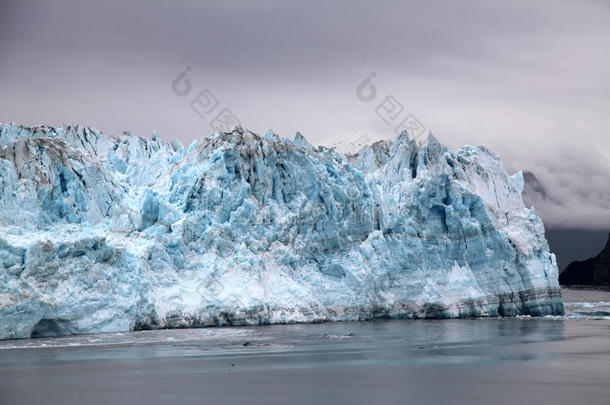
[528, 79]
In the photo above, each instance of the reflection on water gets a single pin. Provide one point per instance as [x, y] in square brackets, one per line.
[424, 342]
[472, 341]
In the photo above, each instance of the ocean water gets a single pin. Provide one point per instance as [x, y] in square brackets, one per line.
[552, 360]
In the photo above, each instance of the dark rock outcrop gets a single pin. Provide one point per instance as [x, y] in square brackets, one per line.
[594, 271]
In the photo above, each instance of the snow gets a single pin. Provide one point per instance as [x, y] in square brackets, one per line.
[103, 234]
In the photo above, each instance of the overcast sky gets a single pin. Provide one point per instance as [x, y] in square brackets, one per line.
[528, 79]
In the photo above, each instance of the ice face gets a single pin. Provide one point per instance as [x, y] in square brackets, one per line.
[101, 234]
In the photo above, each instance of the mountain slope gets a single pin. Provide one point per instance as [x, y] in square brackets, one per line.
[593, 271]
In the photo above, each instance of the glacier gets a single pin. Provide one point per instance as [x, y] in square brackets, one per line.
[108, 234]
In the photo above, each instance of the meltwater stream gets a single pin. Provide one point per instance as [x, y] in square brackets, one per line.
[554, 360]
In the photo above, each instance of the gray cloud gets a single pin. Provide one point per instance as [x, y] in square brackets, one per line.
[527, 79]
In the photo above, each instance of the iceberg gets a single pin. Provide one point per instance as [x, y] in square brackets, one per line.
[108, 234]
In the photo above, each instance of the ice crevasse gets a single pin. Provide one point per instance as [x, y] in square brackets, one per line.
[103, 234]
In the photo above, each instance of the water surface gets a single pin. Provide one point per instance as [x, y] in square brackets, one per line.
[554, 360]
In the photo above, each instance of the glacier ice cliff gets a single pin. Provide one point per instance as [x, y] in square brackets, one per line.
[101, 234]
